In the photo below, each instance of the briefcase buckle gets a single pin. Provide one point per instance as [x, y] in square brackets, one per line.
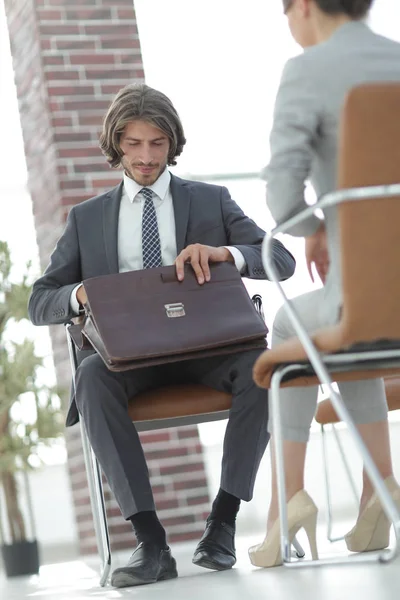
[176, 309]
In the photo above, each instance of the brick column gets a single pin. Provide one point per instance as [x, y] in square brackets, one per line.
[70, 57]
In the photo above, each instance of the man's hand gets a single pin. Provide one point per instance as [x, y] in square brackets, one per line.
[199, 257]
[81, 295]
[317, 252]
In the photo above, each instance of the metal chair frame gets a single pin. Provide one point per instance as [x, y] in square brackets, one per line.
[349, 475]
[323, 366]
[328, 497]
[93, 469]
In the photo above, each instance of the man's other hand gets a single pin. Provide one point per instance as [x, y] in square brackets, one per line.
[199, 257]
[81, 295]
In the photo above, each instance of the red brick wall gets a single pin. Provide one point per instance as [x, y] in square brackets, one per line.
[70, 58]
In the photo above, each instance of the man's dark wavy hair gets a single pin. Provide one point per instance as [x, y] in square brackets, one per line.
[140, 102]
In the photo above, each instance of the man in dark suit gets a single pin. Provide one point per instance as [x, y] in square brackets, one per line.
[154, 218]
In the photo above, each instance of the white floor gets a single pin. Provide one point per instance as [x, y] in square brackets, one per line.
[78, 580]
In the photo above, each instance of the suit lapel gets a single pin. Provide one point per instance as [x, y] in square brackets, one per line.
[111, 204]
[181, 197]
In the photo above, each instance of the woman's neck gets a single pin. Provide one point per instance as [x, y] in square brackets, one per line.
[325, 26]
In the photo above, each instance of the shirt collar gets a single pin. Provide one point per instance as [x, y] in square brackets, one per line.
[159, 187]
[349, 28]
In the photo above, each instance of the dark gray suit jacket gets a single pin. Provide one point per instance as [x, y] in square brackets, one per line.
[204, 214]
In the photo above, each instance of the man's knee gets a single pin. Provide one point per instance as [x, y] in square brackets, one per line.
[244, 375]
[90, 373]
[91, 366]
[245, 363]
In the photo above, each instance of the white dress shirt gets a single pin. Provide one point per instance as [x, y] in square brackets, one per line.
[130, 228]
[130, 222]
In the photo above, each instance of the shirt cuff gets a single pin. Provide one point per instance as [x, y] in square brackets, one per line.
[238, 257]
[73, 301]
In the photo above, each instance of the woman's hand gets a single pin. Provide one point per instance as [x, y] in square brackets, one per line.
[316, 249]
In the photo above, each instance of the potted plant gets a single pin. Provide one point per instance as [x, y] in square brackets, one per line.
[30, 417]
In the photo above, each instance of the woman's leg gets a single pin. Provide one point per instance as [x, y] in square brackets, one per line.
[294, 456]
[366, 402]
[297, 405]
[376, 438]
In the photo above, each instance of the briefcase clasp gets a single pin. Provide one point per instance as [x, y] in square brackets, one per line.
[175, 310]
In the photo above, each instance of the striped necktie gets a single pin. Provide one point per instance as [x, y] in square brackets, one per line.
[151, 248]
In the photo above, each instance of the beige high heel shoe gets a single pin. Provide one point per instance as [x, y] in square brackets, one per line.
[301, 513]
[372, 530]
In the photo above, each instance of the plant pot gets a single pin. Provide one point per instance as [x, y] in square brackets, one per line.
[21, 558]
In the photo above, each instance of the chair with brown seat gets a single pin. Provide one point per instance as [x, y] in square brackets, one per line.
[169, 406]
[326, 415]
[365, 343]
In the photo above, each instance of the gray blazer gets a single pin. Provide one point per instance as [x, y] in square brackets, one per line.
[204, 214]
[304, 137]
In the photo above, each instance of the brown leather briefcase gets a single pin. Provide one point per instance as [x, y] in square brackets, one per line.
[148, 317]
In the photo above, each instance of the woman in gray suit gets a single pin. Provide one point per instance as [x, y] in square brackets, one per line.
[340, 52]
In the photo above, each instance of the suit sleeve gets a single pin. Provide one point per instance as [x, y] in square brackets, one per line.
[247, 237]
[49, 303]
[295, 127]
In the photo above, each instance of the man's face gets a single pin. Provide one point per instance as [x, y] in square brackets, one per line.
[145, 149]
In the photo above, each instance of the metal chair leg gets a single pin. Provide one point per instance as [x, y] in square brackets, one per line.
[328, 499]
[93, 473]
[257, 301]
[346, 465]
[280, 466]
[298, 548]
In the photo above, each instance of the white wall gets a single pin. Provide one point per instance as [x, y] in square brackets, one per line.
[52, 504]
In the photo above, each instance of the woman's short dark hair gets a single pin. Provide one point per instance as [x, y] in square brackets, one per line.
[140, 102]
[356, 9]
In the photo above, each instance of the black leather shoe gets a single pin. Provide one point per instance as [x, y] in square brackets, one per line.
[216, 549]
[147, 564]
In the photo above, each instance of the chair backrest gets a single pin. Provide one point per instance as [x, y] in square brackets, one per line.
[369, 155]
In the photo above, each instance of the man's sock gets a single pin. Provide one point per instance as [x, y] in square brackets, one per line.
[148, 528]
[225, 507]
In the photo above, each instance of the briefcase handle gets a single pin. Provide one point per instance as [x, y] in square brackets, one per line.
[169, 277]
[257, 301]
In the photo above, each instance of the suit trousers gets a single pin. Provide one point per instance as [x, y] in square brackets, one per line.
[365, 400]
[102, 398]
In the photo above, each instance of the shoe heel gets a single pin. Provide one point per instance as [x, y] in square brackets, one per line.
[310, 527]
[372, 530]
[301, 513]
[168, 575]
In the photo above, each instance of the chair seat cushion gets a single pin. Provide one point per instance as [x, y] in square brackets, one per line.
[326, 413]
[178, 401]
[349, 364]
